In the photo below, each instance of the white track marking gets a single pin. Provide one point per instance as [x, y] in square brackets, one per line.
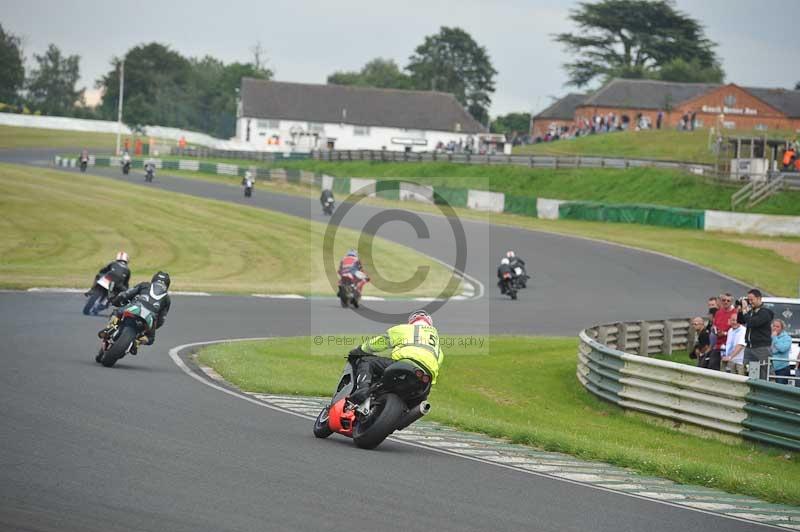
[174, 355]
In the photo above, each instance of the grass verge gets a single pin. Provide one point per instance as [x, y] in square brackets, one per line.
[653, 186]
[58, 228]
[525, 389]
[31, 137]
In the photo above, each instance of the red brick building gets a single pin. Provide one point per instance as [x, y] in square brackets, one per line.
[732, 106]
[560, 114]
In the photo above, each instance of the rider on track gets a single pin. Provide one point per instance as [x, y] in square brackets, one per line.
[417, 341]
[119, 268]
[351, 265]
[153, 295]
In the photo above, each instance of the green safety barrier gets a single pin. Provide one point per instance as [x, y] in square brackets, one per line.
[102, 161]
[208, 168]
[523, 205]
[633, 214]
[387, 189]
[341, 185]
[456, 197]
[773, 414]
[263, 173]
[170, 165]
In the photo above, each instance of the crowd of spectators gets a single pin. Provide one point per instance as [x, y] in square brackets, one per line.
[736, 332]
[611, 122]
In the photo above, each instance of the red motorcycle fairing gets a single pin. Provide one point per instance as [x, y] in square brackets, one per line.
[339, 420]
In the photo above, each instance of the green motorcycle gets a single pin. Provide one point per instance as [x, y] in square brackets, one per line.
[125, 333]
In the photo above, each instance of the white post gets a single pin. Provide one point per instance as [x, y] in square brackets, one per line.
[121, 93]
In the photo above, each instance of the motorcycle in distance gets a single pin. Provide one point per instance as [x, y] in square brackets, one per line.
[105, 289]
[248, 187]
[125, 333]
[348, 289]
[521, 276]
[508, 285]
[126, 167]
[149, 173]
[84, 164]
[328, 206]
[394, 402]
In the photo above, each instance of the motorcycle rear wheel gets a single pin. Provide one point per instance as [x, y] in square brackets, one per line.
[117, 350]
[321, 428]
[370, 435]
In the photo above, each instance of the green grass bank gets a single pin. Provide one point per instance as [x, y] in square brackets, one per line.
[58, 228]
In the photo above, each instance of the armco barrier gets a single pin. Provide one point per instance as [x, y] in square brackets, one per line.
[757, 410]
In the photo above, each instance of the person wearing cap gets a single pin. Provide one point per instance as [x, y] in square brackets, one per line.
[416, 341]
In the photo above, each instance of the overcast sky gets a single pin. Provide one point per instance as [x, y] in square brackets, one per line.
[307, 40]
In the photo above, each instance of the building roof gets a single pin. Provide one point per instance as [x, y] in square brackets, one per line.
[563, 109]
[366, 106]
[646, 94]
[785, 101]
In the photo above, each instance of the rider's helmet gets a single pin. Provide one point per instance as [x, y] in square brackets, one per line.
[352, 253]
[510, 254]
[504, 261]
[162, 277]
[122, 257]
[419, 317]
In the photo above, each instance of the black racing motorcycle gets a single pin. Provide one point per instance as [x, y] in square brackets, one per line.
[149, 173]
[106, 287]
[395, 401]
[126, 167]
[84, 164]
[123, 334]
[328, 206]
[509, 285]
[348, 291]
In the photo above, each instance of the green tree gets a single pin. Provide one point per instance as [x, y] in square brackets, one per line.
[51, 86]
[451, 61]
[13, 72]
[690, 71]
[512, 124]
[633, 38]
[380, 73]
[157, 81]
[164, 88]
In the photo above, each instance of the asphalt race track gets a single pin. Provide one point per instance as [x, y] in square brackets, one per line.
[144, 447]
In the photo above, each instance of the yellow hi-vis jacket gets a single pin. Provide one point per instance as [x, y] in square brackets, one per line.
[418, 343]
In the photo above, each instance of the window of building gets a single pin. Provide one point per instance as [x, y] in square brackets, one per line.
[361, 131]
[269, 124]
[316, 127]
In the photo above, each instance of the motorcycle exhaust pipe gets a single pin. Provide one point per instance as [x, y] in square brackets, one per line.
[414, 414]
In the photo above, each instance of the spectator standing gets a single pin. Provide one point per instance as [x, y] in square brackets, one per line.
[702, 344]
[693, 120]
[758, 321]
[722, 322]
[659, 119]
[780, 349]
[734, 347]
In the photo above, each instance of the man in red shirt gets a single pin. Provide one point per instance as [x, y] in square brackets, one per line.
[722, 320]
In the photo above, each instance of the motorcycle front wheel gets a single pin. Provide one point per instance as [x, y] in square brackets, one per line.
[94, 297]
[321, 428]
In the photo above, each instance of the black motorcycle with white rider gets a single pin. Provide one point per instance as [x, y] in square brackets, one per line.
[110, 281]
[143, 309]
[518, 268]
